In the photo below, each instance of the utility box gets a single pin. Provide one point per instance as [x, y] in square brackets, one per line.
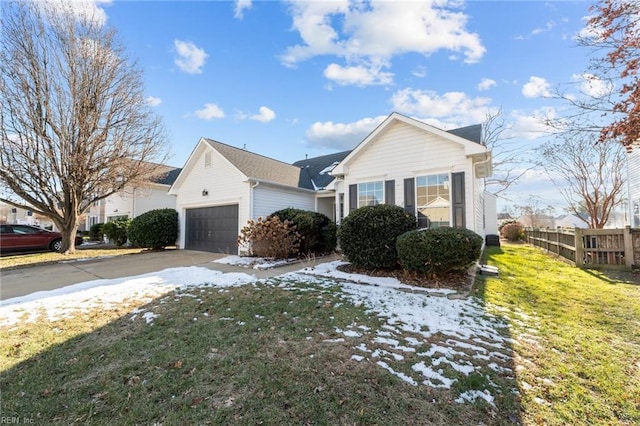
[492, 240]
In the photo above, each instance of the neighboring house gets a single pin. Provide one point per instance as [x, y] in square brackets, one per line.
[537, 221]
[132, 201]
[570, 220]
[633, 182]
[18, 215]
[431, 173]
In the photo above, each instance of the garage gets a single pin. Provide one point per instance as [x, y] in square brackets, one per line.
[213, 229]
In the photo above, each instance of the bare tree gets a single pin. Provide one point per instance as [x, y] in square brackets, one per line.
[75, 124]
[588, 174]
[510, 163]
[607, 99]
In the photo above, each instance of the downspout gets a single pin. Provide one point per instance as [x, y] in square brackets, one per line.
[251, 199]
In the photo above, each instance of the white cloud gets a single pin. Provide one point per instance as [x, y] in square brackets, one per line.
[264, 115]
[536, 87]
[445, 110]
[153, 101]
[419, 71]
[190, 57]
[357, 75]
[209, 112]
[548, 27]
[341, 136]
[80, 9]
[593, 86]
[530, 124]
[486, 84]
[240, 7]
[374, 32]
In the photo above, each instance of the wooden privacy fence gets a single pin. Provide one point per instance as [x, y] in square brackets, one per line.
[590, 248]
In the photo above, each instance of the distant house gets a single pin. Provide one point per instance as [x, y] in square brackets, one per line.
[570, 220]
[11, 214]
[132, 201]
[633, 182]
[537, 221]
[433, 174]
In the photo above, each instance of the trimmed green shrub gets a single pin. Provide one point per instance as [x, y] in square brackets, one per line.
[155, 229]
[512, 231]
[270, 238]
[368, 235]
[116, 231]
[438, 250]
[95, 232]
[317, 231]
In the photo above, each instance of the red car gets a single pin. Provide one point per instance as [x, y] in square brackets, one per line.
[30, 238]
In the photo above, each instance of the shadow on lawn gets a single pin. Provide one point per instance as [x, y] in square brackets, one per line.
[212, 357]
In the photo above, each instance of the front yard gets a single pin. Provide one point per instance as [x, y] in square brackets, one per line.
[542, 343]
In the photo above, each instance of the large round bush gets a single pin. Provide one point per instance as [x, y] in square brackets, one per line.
[368, 235]
[317, 231]
[512, 231]
[155, 229]
[438, 250]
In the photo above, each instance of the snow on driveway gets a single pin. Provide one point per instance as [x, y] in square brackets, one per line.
[449, 337]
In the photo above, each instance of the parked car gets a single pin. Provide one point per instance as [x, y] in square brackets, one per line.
[30, 238]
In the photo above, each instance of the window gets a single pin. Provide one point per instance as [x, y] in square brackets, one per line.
[433, 201]
[208, 159]
[370, 194]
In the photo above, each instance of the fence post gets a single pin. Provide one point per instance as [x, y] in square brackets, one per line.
[628, 246]
[579, 247]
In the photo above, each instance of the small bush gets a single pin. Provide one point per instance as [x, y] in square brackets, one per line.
[317, 231]
[512, 231]
[155, 229]
[270, 238]
[96, 232]
[438, 250]
[368, 235]
[116, 231]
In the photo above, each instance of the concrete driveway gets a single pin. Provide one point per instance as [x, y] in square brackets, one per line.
[27, 280]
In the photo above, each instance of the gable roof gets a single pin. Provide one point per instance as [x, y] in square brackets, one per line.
[315, 173]
[166, 175]
[472, 133]
[464, 136]
[256, 166]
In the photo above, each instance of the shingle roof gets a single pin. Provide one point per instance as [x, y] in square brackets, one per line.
[472, 133]
[257, 166]
[315, 172]
[166, 176]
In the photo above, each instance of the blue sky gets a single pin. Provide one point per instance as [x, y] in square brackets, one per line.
[295, 78]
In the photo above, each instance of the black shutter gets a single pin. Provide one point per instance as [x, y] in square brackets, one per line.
[390, 192]
[353, 197]
[410, 196]
[457, 194]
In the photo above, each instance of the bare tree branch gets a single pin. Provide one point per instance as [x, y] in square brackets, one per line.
[589, 175]
[75, 125]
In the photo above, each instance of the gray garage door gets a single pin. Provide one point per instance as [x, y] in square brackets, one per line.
[212, 229]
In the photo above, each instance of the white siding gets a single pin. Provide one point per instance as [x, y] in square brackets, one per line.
[490, 213]
[403, 151]
[634, 186]
[268, 199]
[224, 183]
[135, 202]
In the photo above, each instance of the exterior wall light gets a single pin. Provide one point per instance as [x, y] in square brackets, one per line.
[205, 192]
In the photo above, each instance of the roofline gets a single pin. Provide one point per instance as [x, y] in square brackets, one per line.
[394, 116]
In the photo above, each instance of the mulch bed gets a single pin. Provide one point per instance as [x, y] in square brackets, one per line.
[458, 281]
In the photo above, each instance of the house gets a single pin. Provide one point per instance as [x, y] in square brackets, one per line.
[18, 215]
[133, 201]
[633, 182]
[431, 173]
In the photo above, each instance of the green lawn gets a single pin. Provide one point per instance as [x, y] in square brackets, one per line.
[579, 351]
[276, 353]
